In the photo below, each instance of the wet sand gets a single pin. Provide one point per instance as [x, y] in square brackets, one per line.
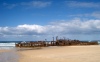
[3, 51]
[8, 55]
[61, 54]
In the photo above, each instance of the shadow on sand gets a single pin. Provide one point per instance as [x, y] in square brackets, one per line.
[26, 49]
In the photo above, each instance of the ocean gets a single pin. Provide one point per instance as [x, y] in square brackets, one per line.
[8, 44]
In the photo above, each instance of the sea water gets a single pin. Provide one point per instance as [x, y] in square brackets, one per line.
[8, 44]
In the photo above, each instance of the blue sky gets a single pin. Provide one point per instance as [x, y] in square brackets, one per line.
[43, 19]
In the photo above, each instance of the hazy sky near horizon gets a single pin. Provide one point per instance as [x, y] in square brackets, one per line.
[43, 19]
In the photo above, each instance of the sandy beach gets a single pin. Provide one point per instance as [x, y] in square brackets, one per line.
[61, 54]
[52, 54]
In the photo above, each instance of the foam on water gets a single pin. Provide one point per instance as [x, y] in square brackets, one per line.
[7, 45]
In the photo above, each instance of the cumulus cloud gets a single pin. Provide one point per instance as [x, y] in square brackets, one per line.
[83, 4]
[23, 30]
[75, 26]
[30, 29]
[71, 27]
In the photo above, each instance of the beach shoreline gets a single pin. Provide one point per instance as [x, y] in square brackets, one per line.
[89, 53]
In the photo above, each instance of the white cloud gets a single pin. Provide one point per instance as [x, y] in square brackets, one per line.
[31, 4]
[9, 6]
[31, 28]
[93, 15]
[37, 4]
[96, 14]
[72, 27]
[83, 4]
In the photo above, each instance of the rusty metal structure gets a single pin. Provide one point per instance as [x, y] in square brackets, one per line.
[57, 42]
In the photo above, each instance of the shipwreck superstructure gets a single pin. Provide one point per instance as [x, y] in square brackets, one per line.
[57, 42]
